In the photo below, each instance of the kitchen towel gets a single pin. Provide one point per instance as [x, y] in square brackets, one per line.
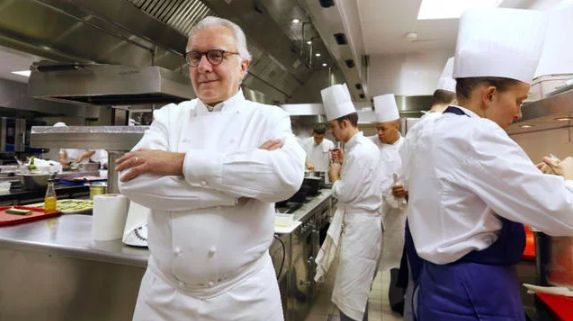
[109, 215]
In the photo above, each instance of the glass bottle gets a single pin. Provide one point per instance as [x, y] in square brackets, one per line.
[50, 200]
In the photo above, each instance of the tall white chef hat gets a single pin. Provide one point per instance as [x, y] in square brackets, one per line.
[386, 108]
[337, 101]
[499, 43]
[556, 57]
[446, 82]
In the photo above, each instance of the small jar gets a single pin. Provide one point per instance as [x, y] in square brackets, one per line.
[97, 189]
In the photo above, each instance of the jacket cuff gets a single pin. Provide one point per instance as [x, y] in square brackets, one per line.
[203, 168]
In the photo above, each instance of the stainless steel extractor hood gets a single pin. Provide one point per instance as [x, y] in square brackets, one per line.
[107, 84]
[555, 111]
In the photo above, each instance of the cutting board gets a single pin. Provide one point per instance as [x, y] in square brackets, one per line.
[70, 206]
[12, 219]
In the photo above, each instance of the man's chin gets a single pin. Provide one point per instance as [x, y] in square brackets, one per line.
[208, 97]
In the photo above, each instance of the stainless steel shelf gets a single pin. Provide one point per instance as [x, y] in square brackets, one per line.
[119, 138]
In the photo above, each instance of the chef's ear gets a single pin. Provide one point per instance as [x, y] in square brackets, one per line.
[491, 91]
[244, 68]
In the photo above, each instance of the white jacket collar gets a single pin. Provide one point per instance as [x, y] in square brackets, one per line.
[354, 140]
[227, 105]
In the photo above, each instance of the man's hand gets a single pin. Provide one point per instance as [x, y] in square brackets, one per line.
[85, 156]
[551, 165]
[309, 166]
[337, 155]
[398, 191]
[272, 144]
[147, 161]
[334, 171]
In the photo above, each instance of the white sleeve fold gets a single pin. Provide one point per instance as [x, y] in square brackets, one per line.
[269, 176]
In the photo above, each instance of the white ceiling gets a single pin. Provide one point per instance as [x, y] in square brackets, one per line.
[13, 60]
[385, 23]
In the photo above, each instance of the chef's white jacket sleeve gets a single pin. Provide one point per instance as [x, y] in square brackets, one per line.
[503, 176]
[358, 170]
[171, 193]
[268, 176]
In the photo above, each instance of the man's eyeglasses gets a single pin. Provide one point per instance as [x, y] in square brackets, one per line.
[214, 56]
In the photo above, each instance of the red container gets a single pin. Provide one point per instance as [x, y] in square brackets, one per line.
[12, 219]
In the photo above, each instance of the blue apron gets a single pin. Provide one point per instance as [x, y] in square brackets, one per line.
[482, 285]
[414, 260]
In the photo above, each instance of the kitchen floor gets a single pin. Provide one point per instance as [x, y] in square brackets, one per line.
[378, 307]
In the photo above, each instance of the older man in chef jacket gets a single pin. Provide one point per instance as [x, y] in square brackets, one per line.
[210, 169]
[471, 186]
[356, 182]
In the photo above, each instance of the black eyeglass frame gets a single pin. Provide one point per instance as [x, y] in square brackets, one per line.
[213, 61]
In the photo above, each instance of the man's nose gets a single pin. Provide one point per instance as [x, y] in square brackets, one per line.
[519, 115]
[204, 64]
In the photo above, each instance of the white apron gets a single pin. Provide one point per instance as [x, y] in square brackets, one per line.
[393, 209]
[360, 246]
[329, 248]
[394, 222]
[252, 295]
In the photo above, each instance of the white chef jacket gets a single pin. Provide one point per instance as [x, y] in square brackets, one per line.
[393, 209]
[463, 171]
[217, 220]
[359, 196]
[319, 155]
[359, 186]
[100, 156]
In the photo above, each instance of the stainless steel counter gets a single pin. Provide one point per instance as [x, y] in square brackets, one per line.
[309, 207]
[51, 270]
[70, 235]
[302, 245]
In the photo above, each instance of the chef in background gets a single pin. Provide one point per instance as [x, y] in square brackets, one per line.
[210, 170]
[317, 149]
[445, 94]
[471, 186]
[73, 155]
[356, 185]
[389, 140]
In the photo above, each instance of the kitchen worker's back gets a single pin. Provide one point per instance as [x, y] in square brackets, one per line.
[211, 228]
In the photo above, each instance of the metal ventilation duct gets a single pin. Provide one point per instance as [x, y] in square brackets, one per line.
[178, 14]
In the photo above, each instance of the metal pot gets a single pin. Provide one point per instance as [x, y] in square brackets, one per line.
[315, 174]
[313, 184]
[34, 181]
[88, 167]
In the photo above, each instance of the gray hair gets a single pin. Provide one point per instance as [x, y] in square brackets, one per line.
[238, 33]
